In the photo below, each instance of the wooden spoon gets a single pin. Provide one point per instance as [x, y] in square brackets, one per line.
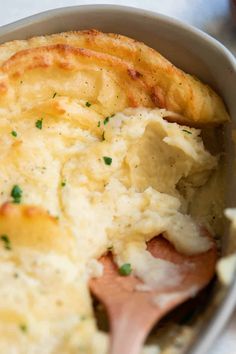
[132, 312]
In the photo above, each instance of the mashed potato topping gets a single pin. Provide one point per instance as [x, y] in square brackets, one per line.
[107, 182]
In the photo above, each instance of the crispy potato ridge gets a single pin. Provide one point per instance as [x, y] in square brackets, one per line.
[141, 74]
[38, 230]
[73, 72]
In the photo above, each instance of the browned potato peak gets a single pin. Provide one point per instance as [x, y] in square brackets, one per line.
[140, 75]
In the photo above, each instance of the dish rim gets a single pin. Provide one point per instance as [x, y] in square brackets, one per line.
[48, 14]
[212, 329]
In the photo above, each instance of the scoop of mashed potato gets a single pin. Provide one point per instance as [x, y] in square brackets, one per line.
[99, 182]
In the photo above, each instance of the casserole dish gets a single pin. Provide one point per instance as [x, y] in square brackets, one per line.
[187, 48]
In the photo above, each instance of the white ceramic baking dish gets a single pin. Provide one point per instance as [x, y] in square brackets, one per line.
[188, 48]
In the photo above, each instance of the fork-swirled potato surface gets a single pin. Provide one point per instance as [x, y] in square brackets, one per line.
[98, 151]
[167, 86]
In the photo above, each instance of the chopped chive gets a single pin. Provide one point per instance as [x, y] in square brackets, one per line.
[23, 327]
[125, 269]
[103, 136]
[16, 194]
[99, 123]
[187, 131]
[63, 183]
[106, 120]
[88, 104]
[54, 95]
[107, 160]
[6, 242]
[14, 133]
[110, 248]
[39, 123]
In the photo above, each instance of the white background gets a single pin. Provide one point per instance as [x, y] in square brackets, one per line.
[211, 16]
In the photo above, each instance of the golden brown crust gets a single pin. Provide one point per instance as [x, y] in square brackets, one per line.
[38, 230]
[169, 87]
[95, 70]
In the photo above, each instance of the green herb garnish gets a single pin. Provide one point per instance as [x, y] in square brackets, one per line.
[6, 242]
[88, 104]
[63, 183]
[106, 120]
[14, 133]
[83, 317]
[103, 136]
[23, 327]
[54, 95]
[107, 160]
[39, 123]
[99, 123]
[16, 194]
[187, 131]
[125, 269]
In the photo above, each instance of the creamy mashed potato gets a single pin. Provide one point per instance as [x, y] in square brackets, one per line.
[95, 183]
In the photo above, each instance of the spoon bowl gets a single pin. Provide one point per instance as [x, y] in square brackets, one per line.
[133, 312]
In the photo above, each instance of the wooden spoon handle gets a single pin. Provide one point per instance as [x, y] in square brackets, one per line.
[130, 327]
